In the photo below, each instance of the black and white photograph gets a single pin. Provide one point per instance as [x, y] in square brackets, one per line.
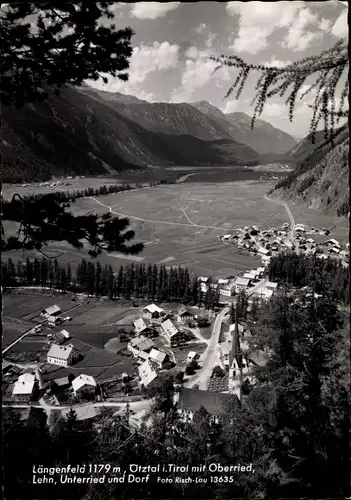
[175, 250]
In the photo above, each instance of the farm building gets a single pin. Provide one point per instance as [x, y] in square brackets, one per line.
[61, 382]
[217, 404]
[61, 355]
[143, 326]
[24, 388]
[334, 250]
[333, 242]
[241, 284]
[139, 345]
[152, 311]
[193, 356]
[226, 237]
[51, 311]
[61, 337]
[84, 385]
[160, 358]
[54, 321]
[185, 314]
[250, 276]
[147, 373]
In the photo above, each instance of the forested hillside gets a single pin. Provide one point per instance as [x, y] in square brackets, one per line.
[320, 178]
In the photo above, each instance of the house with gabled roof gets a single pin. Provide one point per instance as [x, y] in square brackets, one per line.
[84, 386]
[186, 314]
[140, 347]
[171, 332]
[144, 326]
[61, 355]
[147, 373]
[152, 311]
[158, 357]
[51, 311]
[23, 389]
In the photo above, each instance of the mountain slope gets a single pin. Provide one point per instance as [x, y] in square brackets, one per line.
[321, 176]
[264, 138]
[78, 133]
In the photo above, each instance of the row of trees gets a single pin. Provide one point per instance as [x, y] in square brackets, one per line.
[293, 425]
[155, 282]
[300, 270]
[100, 191]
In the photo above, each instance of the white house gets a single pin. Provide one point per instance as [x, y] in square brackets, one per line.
[147, 373]
[224, 352]
[61, 355]
[158, 357]
[51, 311]
[227, 290]
[223, 281]
[143, 325]
[241, 284]
[84, 385]
[152, 311]
[260, 271]
[250, 276]
[24, 387]
[226, 237]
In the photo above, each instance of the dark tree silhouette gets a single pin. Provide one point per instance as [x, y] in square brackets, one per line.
[42, 220]
[61, 43]
[330, 68]
[45, 46]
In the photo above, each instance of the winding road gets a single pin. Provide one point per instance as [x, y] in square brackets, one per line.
[291, 217]
[155, 221]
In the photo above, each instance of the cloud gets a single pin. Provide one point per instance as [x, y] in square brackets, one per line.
[277, 63]
[210, 39]
[197, 74]
[201, 28]
[340, 28]
[153, 10]
[258, 20]
[325, 25]
[145, 60]
[298, 38]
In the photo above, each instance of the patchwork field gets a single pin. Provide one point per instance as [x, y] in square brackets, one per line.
[180, 223]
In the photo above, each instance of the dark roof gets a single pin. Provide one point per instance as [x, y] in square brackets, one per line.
[186, 310]
[215, 403]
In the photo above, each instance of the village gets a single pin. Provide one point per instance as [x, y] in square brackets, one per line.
[300, 239]
[199, 346]
[161, 340]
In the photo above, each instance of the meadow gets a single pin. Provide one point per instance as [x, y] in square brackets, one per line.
[180, 224]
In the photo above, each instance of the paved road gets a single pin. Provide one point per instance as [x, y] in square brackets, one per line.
[170, 223]
[291, 217]
[209, 357]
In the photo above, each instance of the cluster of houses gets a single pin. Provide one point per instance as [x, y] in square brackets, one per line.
[53, 316]
[155, 321]
[228, 287]
[269, 242]
[30, 382]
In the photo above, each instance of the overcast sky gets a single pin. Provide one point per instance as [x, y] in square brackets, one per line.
[172, 43]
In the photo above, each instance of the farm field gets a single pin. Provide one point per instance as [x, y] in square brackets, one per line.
[180, 224]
